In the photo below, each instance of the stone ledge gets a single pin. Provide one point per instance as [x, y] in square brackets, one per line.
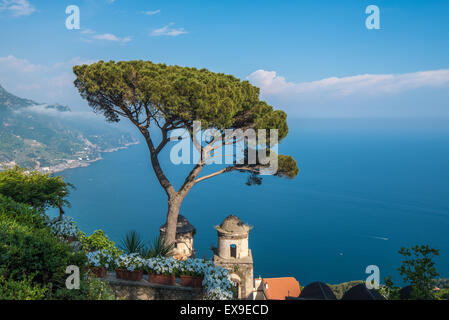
[144, 290]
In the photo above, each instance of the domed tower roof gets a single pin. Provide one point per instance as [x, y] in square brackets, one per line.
[183, 226]
[233, 224]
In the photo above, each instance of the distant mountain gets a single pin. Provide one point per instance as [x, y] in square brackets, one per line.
[11, 102]
[52, 137]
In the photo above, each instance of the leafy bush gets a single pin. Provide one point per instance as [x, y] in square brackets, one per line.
[33, 260]
[26, 251]
[36, 189]
[22, 213]
[443, 294]
[29, 249]
[21, 290]
[418, 269]
[99, 241]
[90, 289]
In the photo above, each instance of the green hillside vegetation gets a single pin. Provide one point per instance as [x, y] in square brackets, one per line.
[33, 258]
[49, 135]
[8, 100]
[340, 289]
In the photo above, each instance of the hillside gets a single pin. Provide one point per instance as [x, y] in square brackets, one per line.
[52, 137]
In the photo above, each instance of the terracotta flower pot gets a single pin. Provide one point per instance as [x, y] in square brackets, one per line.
[123, 274]
[99, 272]
[192, 281]
[162, 279]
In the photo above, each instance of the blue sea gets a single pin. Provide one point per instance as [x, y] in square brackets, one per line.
[366, 188]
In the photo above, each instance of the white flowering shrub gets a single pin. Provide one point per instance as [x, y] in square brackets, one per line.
[161, 265]
[100, 259]
[130, 262]
[193, 267]
[216, 279]
[66, 227]
[217, 282]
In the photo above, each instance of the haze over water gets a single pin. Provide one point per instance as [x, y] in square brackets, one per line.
[366, 188]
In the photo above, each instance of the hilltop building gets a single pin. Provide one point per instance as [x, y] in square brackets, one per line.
[233, 254]
[184, 238]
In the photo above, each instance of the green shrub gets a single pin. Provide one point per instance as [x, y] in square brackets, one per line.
[22, 213]
[28, 249]
[39, 190]
[33, 260]
[90, 289]
[21, 290]
[99, 241]
[340, 289]
[443, 294]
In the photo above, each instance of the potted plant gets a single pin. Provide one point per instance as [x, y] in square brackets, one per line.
[129, 267]
[162, 270]
[191, 272]
[98, 263]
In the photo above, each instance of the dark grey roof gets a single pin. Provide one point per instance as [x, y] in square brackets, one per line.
[183, 226]
[317, 291]
[405, 293]
[361, 292]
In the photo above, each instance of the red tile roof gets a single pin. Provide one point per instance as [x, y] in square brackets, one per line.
[279, 288]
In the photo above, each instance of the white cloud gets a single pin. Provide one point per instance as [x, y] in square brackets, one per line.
[111, 37]
[91, 35]
[366, 84]
[87, 31]
[20, 65]
[416, 94]
[168, 31]
[17, 7]
[151, 13]
[42, 83]
[42, 109]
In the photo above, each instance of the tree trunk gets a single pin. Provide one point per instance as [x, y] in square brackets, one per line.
[61, 213]
[172, 219]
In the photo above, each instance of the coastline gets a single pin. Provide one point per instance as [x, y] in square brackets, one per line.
[71, 163]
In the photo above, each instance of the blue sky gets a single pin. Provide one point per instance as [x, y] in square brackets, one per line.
[311, 58]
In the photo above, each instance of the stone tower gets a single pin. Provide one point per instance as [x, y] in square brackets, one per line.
[234, 254]
[184, 238]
